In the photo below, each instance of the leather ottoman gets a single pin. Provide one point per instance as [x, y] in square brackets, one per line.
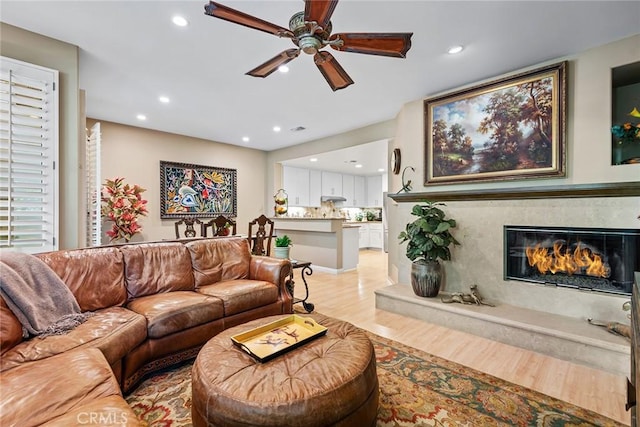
[330, 381]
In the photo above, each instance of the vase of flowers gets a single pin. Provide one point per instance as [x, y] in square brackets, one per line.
[627, 140]
[122, 204]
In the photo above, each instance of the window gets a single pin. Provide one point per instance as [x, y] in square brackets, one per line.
[94, 232]
[28, 157]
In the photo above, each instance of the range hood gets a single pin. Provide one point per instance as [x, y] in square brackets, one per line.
[332, 199]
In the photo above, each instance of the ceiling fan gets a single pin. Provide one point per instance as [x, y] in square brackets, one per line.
[310, 31]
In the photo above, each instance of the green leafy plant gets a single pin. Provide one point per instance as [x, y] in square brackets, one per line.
[429, 236]
[283, 241]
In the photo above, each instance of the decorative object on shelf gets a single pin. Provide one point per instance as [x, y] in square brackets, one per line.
[359, 216]
[429, 239]
[283, 246]
[406, 185]
[517, 130]
[371, 216]
[396, 161]
[281, 199]
[122, 204]
[188, 190]
[627, 137]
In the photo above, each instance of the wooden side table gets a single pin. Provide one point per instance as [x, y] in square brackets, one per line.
[306, 270]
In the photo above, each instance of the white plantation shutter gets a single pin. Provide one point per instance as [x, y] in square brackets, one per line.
[94, 231]
[28, 157]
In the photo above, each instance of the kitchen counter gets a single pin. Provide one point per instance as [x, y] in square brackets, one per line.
[328, 243]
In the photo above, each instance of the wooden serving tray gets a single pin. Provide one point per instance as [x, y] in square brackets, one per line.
[275, 338]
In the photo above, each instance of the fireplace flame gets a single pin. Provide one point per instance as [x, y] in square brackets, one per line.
[562, 260]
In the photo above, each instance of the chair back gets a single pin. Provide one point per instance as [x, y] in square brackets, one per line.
[260, 238]
[220, 226]
[189, 230]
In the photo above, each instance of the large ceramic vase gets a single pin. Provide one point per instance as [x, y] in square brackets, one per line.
[426, 277]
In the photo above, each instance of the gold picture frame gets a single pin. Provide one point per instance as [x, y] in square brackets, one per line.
[508, 129]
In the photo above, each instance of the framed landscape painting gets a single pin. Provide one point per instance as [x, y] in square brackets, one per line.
[508, 129]
[195, 191]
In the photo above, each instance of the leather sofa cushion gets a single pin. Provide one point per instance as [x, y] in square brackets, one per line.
[242, 295]
[110, 411]
[214, 260]
[115, 331]
[94, 275]
[171, 312]
[37, 392]
[10, 328]
[152, 268]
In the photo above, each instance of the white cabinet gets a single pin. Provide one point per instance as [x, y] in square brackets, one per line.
[348, 190]
[296, 184]
[375, 235]
[359, 192]
[331, 184]
[370, 235]
[374, 191]
[363, 241]
[315, 187]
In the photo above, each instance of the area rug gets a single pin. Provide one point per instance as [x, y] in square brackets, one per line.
[416, 389]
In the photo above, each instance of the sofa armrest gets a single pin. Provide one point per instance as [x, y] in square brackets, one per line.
[274, 270]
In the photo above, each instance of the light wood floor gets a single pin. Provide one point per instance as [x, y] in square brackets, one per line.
[350, 296]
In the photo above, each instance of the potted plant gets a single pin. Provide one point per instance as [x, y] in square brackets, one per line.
[429, 239]
[283, 246]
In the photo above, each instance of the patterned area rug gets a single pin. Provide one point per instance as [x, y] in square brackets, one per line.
[416, 389]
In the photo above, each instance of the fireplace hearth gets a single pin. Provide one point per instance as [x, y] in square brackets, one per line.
[595, 259]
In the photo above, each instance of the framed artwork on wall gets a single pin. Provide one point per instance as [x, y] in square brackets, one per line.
[513, 128]
[196, 191]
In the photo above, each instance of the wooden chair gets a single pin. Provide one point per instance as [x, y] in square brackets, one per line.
[219, 226]
[189, 230]
[260, 239]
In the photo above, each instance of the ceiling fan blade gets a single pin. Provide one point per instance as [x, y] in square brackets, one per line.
[333, 73]
[319, 11]
[218, 10]
[385, 44]
[263, 70]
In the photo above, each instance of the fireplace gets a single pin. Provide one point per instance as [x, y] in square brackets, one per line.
[595, 259]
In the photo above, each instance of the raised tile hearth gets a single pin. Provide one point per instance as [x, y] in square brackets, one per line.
[563, 337]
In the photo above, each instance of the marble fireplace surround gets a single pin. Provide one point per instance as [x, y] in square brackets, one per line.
[542, 318]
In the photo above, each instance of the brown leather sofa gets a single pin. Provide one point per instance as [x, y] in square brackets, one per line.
[154, 304]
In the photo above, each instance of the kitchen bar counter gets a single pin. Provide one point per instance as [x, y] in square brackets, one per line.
[326, 242]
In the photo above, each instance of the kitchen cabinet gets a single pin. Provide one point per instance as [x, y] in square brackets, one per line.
[296, 184]
[359, 192]
[331, 184]
[370, 235]
[374, 191]
[315, 188]
[348, 190]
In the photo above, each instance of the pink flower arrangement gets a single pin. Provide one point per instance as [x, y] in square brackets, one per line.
[122, 204]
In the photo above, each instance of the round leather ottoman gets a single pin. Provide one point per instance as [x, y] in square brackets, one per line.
[330, 381]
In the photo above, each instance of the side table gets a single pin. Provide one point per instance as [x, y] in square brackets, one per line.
[306, 270]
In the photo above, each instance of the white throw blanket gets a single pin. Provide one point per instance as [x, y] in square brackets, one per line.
[40, 300]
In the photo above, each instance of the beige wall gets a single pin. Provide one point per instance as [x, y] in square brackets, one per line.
[479, 258]
[40, 50]
[135, 153]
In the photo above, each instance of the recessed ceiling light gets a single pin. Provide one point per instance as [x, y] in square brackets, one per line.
[141, 117]
[358, 165]
[313, 159]
[455, 49]
[164, 99]
[283, 69]
[180, 21]
[276, 128]
[245, 139]
[380, 170]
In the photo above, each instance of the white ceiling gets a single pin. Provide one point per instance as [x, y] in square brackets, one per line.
[131, 53]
